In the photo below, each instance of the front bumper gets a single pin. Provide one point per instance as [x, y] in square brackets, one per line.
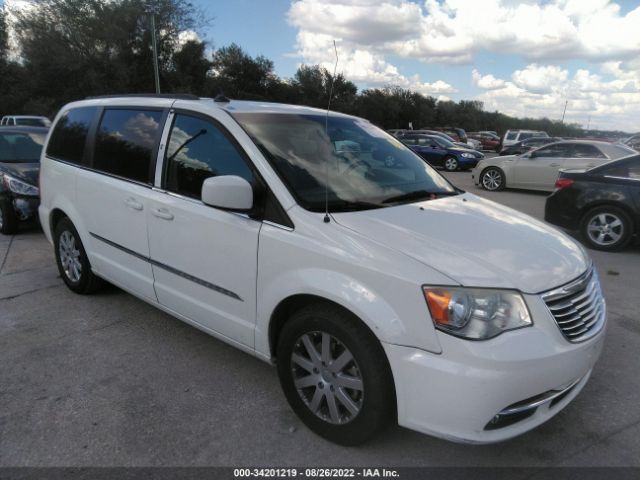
[460, 394]
[25, 207]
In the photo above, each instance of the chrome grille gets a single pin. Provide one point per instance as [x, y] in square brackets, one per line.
[578, 307]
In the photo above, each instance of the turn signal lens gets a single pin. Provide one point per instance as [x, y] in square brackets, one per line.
[438, 301]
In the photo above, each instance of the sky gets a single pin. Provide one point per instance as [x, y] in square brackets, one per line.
[523, 58]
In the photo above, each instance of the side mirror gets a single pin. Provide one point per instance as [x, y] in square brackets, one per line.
[228, 192]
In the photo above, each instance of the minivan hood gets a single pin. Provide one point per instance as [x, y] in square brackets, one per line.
[475, 242]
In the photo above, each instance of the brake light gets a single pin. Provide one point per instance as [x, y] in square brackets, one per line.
[563, 183]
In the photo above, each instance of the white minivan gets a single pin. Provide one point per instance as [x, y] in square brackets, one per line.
[380, 291]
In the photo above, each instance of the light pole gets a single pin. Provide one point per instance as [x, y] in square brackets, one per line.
[564, 111]
[152, 10]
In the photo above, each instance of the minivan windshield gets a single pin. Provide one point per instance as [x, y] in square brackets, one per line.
[356, 165]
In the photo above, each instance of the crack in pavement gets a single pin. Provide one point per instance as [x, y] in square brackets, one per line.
[11, 297]
[6, 254]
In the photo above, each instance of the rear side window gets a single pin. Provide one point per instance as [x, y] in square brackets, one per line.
[70, 134]
[586, 151]
[558, 150]
[125, 143]
[512, 135]
[197, 150]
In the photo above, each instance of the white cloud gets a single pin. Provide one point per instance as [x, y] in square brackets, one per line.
[539, 79]
[542, 90]
[486, 82]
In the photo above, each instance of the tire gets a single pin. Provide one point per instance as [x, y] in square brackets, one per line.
[8, 218]
[451, 164]
[492, 179]
[365, 381]
[606, 228]
[71, 257]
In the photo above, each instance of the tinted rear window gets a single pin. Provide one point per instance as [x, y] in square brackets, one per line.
[512, 135]
[70, 134]
[125, 143]
[31, 122]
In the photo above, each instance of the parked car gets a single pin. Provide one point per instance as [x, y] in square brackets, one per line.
[458, 134]
[440, 152]
[379, 290]
[20, 149]
[633, 142]
[538, 169]
[397, 132]
[490, 132]
[25, 120]
[439, 134]
[489, 141]
[529, 144]
[603, 203]
[515, 136]
[474, 143]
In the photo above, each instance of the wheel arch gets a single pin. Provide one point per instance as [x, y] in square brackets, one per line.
[497, 167]
[293, 303]
[584, 211]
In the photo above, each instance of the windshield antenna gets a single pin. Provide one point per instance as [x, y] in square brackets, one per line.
[326, 130]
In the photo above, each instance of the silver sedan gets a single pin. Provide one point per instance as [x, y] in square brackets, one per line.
[538, 169]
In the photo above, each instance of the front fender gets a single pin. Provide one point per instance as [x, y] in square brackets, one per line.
[360, 299]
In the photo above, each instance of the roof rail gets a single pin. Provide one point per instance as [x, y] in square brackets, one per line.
[177, 96]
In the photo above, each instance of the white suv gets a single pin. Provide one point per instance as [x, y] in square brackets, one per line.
[379, 290]
[512, 137]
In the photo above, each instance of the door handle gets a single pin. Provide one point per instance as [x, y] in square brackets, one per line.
[163, 213]
[133, 203]
[554, 165]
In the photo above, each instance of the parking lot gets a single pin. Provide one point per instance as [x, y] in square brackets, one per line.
[109, 380]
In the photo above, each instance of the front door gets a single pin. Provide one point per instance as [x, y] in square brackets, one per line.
[539, 169]
[204, 259]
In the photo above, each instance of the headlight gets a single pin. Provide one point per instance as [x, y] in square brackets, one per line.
[475, 313]
[468, 155]
[19, 187]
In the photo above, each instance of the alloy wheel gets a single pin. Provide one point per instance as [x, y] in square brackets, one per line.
[492, 180]
[70, 256]
[327, 377]
[605, 229]
[451, 164]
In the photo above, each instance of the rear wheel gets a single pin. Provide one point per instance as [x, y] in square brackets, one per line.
[451, 164]
[8, 218]
[607, 228]
[335, 374]
[73, 264]
[492, 179]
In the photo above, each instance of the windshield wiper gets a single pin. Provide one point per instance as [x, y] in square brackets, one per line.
[418, 195]
[347, 206]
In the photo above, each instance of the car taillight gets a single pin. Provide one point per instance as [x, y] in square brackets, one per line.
[563, 183]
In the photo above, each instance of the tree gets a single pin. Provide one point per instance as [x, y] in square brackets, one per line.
[238, 75]
[312, 86]
[75, 48]
[189, 69]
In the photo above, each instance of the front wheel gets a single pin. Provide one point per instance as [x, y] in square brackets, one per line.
[335, 374]
[71, 257]
[492, 179]
[451, 164]
[607, 228]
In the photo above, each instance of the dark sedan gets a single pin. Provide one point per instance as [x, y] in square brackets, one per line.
[20, 149]
[439, 152]
[529, 144]
[603, 203]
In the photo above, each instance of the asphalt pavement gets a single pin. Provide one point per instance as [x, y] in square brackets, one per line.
[107, 380]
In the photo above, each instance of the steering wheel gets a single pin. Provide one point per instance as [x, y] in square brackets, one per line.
[356, 164]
